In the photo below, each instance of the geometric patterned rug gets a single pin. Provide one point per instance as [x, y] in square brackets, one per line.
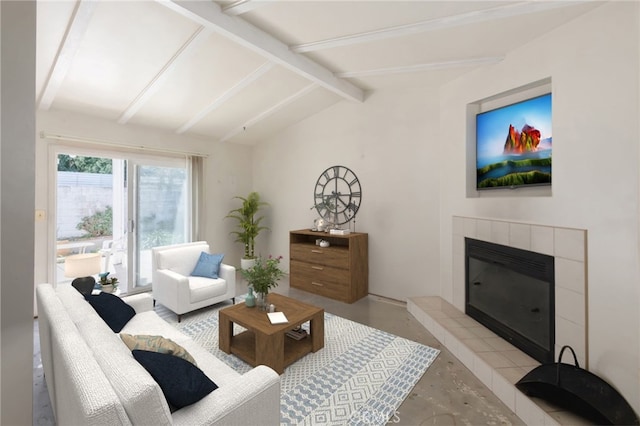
[360, 377]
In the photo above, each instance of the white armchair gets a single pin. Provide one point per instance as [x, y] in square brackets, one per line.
[174, 287]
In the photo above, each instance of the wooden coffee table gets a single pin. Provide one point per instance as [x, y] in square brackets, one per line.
[264, 343]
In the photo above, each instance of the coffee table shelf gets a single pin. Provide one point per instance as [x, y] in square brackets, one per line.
[243, 346]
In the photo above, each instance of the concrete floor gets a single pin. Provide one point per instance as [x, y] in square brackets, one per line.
[447, 394]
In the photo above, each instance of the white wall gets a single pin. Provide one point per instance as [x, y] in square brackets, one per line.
[227, 174]
[390, 142]
[409, 151]
[17, 127]
[595, 81]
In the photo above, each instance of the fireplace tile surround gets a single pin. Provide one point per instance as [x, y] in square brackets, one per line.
[493, 360]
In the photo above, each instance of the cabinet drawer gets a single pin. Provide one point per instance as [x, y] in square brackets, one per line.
[319, 273]
[304, 278]
[337, 257]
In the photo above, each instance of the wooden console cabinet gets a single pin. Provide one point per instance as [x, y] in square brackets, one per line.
[340, 271]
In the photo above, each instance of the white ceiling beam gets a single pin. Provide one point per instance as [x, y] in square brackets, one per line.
[422, 67]
[270, 111]
[242, 6]
[210, 15]
[196, 39]
[66, 52]
[231, 92]
[468, 18]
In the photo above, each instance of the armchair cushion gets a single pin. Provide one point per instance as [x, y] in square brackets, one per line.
[113, 310]
[181, 382]
[208, 265]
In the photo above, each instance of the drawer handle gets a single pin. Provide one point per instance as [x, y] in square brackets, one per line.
[316, 251]
[318, 284]
[319, 268]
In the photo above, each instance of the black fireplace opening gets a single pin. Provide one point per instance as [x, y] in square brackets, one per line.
[511, 292]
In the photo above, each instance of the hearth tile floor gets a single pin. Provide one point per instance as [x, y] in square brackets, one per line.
[448, 393]
[493, 360]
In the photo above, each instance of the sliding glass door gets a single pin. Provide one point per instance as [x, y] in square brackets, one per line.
[117, 207]
[160, 206]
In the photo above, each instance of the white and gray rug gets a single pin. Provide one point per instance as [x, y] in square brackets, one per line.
[360, 377]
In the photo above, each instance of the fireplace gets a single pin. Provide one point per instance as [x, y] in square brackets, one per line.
[511, 292]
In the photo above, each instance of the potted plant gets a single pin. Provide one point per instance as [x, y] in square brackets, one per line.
[108, 285]
[248, 225]
[262, 276]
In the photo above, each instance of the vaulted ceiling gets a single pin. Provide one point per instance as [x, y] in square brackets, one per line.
[241, 71]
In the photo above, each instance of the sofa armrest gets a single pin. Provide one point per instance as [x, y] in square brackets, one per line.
[253, 399]
[142, 302]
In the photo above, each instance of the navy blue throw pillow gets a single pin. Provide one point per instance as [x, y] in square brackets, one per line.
[181, 382]
[113, 310]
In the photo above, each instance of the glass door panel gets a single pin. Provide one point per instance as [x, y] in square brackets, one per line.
[161, 213]
[118, 209]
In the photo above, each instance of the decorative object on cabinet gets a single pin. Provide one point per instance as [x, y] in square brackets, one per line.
[340, 271]
[337, 195]
[248, 225]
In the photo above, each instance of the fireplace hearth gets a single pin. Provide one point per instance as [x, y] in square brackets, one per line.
[511, 292]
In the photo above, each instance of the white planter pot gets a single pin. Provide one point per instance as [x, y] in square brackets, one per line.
[247, 263]
[107, 288]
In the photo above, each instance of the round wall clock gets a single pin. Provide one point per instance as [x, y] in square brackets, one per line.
[337, 195]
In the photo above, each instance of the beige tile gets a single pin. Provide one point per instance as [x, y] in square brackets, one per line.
[569, 243]
[568, 418]
[436, 314]
[496, 360]
[572, 334]
[449, 323]
[550, 421]
[520, 236]
[461, 333]
[504, 390]
[438, 331]
[483, 230]
[428, 302]
[520, 359]
[459, 294]
[458, 245]
[452, 343]
[542, 239]
[570, 274]
[528, 411]
[570, 305]
[452, 311]
[499, 344]
[466, 355]
[467, 321]
[477, 344]
[482, 371]
[512, 374]
[482, 332]
[500, 232]
[470, 227]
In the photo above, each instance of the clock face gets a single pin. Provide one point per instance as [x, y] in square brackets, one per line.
[337, 195]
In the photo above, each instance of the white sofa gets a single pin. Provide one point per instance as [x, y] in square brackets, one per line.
[175, 288]
[93, 379]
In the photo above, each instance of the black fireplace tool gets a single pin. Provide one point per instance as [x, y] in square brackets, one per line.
[579, 391]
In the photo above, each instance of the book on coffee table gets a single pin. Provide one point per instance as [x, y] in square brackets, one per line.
[297, 333]
[277, 318]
